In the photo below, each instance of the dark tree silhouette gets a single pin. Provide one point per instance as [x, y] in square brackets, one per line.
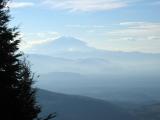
[17, 96]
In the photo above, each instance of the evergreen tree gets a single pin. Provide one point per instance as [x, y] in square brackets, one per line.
[17, 96]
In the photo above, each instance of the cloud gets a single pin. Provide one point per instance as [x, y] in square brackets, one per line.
[137, 31]
[133, 36]
[33, 39]
[131, 23]
[27, 45]
[85, 5]
[20, 4]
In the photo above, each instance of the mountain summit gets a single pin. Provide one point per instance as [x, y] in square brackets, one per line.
[68, 41]
[69, 44]
[63, 45]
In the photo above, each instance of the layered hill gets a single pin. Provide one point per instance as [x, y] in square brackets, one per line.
[71, 107]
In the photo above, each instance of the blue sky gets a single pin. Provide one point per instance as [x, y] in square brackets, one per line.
[119, 25]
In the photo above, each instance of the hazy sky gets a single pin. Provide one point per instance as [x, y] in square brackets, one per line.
[125, 25]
